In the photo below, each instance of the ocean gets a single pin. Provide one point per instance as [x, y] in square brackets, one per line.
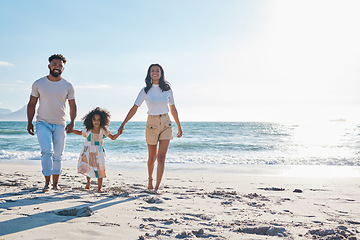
[227, 143]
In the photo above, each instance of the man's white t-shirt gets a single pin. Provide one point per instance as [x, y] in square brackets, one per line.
[52, 99]
[156, 100]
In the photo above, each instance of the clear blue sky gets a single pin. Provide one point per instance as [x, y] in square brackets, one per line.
[226, 60]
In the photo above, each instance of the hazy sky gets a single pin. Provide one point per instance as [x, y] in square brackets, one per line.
[226, 60]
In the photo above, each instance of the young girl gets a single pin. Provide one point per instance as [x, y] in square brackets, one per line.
[92, 157]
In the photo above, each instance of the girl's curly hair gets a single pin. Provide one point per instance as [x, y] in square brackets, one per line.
[104, 118]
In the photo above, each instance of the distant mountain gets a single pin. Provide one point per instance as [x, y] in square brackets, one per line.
[19, 115]
[4, 111]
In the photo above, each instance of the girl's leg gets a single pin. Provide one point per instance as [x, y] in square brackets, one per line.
[163, 147]
[87, 183]
[100, 181]
[151, 161]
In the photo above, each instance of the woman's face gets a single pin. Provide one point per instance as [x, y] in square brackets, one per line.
[96, 120]
[155, 73]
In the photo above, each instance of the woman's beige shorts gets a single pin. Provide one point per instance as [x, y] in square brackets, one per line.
[158, 127]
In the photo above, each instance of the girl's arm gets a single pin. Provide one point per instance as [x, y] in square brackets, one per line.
[130, 114]
[113, 137]
[77, 132]
[175, 115]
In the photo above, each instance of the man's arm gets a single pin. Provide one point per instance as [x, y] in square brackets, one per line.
[72, 104]
[30, 113]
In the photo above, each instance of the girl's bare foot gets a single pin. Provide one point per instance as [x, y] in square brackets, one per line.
[46, 188]
[87, 185]
[57, 188]
[100, 191]
[150, 185]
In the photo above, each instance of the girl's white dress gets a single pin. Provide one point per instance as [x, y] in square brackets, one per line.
[92, 157]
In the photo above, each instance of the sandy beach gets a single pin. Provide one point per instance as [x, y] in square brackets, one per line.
[261, 202]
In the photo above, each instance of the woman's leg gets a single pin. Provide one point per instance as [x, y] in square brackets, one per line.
[151, 161]
[163, 147]
[87, 183]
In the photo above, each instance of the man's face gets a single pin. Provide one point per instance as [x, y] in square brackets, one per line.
[56, 67]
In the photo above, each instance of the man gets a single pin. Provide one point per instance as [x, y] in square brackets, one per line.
[52, 92]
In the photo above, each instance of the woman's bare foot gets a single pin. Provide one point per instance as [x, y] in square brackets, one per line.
[87, 185]
[100, 191]
[156, 191]
[150, 185]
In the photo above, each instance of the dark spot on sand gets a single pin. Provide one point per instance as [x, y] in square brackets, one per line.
[81, 212]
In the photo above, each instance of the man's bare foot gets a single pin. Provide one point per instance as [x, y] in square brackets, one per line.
[46, 188]
[87, 185]
[150, 185]
[56, 188]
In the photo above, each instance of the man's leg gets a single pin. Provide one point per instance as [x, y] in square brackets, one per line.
[59, 137]
[44, 136]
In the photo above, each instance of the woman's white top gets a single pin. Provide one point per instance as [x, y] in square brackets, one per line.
[156, 100]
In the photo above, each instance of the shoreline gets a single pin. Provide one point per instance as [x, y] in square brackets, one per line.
[297, 171]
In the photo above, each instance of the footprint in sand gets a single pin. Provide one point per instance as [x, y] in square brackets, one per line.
[106, 224]
[153, 208]
[268, 231]
[153, 200]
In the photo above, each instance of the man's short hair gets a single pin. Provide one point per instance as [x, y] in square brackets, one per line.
[57, 56]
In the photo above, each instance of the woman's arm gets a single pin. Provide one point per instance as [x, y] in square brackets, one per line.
[130, 114]
[77, 132]
[175, 115]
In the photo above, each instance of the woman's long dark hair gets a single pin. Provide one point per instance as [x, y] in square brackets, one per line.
[164, 85]
[104, 118]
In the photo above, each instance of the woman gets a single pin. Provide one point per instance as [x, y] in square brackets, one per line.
[158, 96]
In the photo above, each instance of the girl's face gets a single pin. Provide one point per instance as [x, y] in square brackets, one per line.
[96, 121]
[155, 73]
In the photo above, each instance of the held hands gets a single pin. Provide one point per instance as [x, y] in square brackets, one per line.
[30, 129]
[69, 128]
[121, 129]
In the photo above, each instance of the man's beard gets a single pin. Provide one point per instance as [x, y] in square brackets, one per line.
[55, 74]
